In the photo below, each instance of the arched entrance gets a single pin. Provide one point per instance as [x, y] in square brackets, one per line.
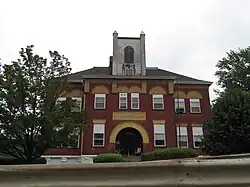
[129, 141]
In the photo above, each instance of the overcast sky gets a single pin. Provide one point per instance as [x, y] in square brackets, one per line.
[183, 36]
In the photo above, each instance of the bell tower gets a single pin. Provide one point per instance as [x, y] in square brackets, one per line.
[129, 57]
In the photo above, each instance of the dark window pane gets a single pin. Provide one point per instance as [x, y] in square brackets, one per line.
[158, 105]
[159, 142]
[98, 136]
[129, 54]
[99, 105]
[98, 142]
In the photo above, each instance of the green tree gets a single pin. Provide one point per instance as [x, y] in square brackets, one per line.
[29, 88]
[228, 132]
[234, 70]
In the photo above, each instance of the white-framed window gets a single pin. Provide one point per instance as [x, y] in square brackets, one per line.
[158, 103]
[159, 135]
[100, 101]
[182, 136]
[74, 138]
[179, 105]
[195, 106]
[135, 101]
[123, 100]
[98, 135]
[60, 99]
[78, 102]
[197, 136]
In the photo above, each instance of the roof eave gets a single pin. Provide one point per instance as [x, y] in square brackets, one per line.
[194, 82]
[142, 77]
[75, 81]
[129, 77]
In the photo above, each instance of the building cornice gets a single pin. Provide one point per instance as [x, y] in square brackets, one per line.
[129, 77]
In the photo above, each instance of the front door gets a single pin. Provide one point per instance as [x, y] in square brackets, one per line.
[128, 141]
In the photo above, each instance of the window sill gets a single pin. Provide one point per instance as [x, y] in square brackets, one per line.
[195, 113]
[98, 146]
[182, 147]
[160, 146]
[182, 114]
[162, 109]
[135, 109]
[99, 108]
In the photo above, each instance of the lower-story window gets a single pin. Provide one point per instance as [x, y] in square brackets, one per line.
[159, 135]
[197, 136]
[182, 136]
[98, 135]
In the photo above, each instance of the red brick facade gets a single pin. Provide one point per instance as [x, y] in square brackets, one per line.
[167, 115]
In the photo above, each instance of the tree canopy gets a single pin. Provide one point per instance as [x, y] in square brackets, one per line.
[234, 70]
[228, 132]
[29, 116]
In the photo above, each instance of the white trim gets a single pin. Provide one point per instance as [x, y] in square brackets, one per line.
[193, 102]
[93, 136]
[60, 99]
[79, 141]
[135, 95]
[197, 134]
[68, 156]
[177, 135]
[123, 95]
[176, 104]
[158, 96]
[160, 130]
[78, 99]
[100, 95]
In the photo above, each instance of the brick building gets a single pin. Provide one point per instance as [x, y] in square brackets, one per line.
[132, 107]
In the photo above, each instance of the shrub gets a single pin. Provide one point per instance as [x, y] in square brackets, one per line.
[108, 157]
[13, 161]
[169, 153]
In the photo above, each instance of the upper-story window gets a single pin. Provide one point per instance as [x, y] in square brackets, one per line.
[123, 100]
[179, 105]
[195, 106]
[77, 101]
[100, 101]
[78, 104]
[128, 54]
[158, 102]
[60, 100]
[135, 101]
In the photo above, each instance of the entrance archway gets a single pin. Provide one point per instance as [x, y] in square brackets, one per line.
[129, 141]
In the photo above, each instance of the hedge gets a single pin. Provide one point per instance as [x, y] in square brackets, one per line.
[108, 157]
[13, 161]
[169, 153]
